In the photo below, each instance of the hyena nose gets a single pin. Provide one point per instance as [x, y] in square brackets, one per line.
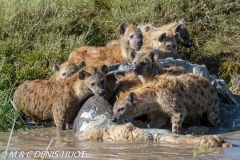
[190, 43]
[101, 92]
[114, 120]
[139, 42]
[135, 69]
[168, 46]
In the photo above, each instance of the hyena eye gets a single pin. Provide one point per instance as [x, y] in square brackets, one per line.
[184, 38]
[131, 36]
[143, 63]
[92, 84]
[64, 74]
[121, 109]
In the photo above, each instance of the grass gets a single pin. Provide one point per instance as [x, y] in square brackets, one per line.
[36, 33]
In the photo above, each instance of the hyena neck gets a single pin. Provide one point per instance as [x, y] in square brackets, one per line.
[151, 73]
[145, 98]
[82, 92]
[144, 106]
[125, 48]
[156, 69]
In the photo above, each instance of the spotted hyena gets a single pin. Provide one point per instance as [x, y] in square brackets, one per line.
[131, 39]
[177, 26]
[66, 69]
[165, 42]
[186, 95]
[47, 100]
[146, 66]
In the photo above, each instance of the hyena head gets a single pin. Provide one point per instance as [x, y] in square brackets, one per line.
[132, 36]
[168, 41]
[95, 80]
[184, 34]
[66, 69]
[143, 62]
[146, 27]
[123, 110]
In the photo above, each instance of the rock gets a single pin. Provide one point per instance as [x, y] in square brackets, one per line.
[93, 107]
[94, 123]
[197, 130]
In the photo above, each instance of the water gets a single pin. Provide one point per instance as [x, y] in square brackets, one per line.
[66, 146]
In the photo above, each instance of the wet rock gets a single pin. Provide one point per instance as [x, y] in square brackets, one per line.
[197, 130]
[94, 123]
[94, 106]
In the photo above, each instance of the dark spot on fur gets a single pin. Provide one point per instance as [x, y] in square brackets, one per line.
[205, 85]
[211, 90]
[202, 93]
[181, 88]
[213, 109]
[181, 116]
[195, 90]
[193, 102]
[175, 127]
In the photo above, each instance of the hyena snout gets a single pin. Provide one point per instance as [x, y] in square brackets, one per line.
[115, 118]
[101, 92]
[170, 46]
[140, 42]
[186, 43]
[137, 70]
[189, 44]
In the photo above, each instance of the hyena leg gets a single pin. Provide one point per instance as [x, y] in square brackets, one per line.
[59, 119]
[213, 113]
[177, 120]
[69, 125]
[213, 117]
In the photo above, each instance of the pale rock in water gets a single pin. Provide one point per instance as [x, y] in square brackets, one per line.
[94, 122]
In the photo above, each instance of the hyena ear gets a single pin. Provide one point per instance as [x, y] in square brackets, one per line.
[147, 28]
[81, 64]
[104, 69]
[132, 97]
[150, 26]
[132, 55]
[154, 56]
[162, 37]
[83, 74]
[122, 28]
[177, 36]
[181, 21]
[179, 27]
[55, 67]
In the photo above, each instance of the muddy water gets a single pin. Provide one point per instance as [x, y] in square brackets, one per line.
[32, 144]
